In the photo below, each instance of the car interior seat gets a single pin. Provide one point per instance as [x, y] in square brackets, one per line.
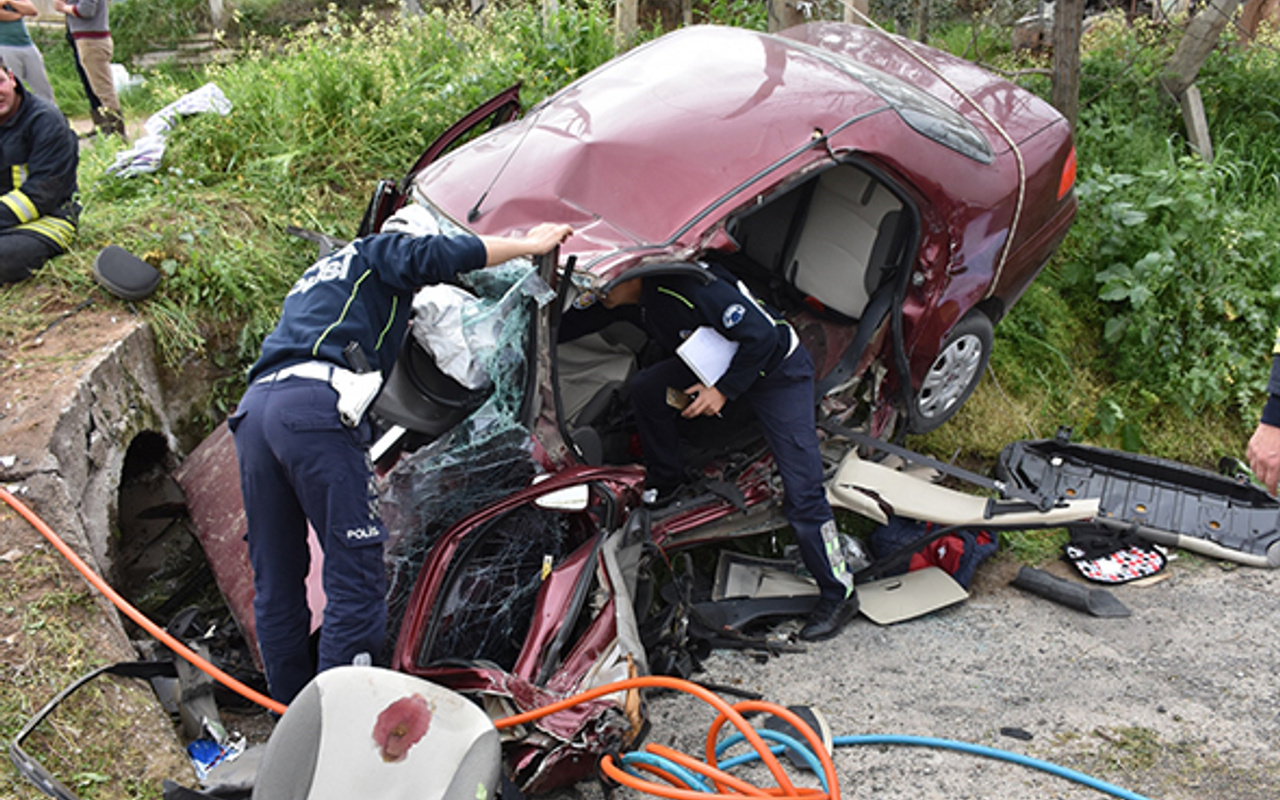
[841, 253]
[421, 397]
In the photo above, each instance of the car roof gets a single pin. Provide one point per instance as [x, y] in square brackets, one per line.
[632, 151]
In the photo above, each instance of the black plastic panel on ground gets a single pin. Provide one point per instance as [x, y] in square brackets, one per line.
[1154, 493]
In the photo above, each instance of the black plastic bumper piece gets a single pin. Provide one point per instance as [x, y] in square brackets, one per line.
[1162, 501]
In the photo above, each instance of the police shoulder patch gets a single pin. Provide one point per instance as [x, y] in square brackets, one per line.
[733, 315]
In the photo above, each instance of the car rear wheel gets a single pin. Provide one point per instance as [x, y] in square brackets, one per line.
[954, 374]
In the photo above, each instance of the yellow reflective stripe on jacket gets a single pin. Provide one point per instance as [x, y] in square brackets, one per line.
[676, 295]
[55, 228]
[20, 204]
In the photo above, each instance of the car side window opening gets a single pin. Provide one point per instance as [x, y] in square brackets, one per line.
[824, 246]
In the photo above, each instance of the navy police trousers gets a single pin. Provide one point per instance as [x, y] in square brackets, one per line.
[782, 402]
[298, 462]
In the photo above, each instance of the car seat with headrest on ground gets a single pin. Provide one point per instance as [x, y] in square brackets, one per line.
[365, 732]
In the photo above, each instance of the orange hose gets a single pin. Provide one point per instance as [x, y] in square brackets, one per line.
[789, 716]
[667, 682]
[728, 713]
[134, 614]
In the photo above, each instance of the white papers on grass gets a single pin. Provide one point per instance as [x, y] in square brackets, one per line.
[708, 353]
[148, 149]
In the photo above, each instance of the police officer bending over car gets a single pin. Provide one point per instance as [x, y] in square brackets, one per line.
[770, 371]
[301, 437]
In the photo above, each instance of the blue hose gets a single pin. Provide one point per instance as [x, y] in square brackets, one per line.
[789, 743]
[800, 747]
[991, 752]
[691, 779]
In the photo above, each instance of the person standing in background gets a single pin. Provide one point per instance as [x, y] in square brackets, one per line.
[89, 33]
[1263, 450]
[18, 51]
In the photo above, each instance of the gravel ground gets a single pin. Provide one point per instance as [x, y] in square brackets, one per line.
[1177, 701]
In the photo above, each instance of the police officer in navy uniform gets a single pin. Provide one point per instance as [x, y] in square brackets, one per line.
[771, 372]
[302, 441]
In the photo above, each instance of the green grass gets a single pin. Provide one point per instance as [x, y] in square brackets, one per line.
[1149, 330]
[53, 634]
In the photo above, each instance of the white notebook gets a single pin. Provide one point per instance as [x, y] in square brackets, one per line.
[707, 353]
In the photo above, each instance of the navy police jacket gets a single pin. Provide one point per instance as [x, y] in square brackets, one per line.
[672, 307]
[363, 293]
[39, 154]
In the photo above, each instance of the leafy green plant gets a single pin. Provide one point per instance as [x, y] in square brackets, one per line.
[1186, 280]
[142, 25]
[738, 13]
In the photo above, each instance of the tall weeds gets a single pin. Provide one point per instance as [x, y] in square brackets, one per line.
[318, 118]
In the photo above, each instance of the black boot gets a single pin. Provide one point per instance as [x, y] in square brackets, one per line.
[829, 617]
[112, 123]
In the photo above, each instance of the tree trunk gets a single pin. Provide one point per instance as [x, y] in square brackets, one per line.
[1254, 12]
[922, 21]
[1197, 43]
[1067, 18]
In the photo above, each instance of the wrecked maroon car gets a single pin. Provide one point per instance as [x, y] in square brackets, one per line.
[891, 200]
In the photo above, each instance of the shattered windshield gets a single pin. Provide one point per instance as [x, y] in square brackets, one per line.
[484, 458]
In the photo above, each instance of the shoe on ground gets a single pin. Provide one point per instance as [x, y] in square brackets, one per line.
[828, 618]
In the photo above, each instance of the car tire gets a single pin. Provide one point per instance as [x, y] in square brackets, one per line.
[954, 374]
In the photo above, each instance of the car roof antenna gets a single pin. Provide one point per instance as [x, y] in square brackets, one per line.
[474, 213]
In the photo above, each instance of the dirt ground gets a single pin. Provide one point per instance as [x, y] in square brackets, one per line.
[1178, 701]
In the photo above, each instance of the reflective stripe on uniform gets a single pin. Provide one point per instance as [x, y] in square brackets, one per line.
[21, 205]
[835, 555]
[355, 289]
[54, 228]
[676, 295]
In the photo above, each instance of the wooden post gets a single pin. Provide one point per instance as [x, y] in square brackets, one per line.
[217, 14]
[1197, 43]
[857, 12]
[627, 18]
[1197, 124]
[784, 14]
[1068, 16]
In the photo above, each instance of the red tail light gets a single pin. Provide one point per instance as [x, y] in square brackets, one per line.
[1068, 178]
